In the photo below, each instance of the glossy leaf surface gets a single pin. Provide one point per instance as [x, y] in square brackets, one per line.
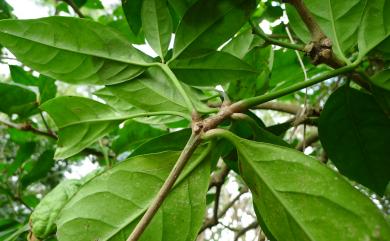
[120, 207]
[209, 23]
[299, 198]
[72, 50]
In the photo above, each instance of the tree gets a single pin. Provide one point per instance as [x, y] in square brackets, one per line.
[169, 131]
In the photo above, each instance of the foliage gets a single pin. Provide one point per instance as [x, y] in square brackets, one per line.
[170, 129]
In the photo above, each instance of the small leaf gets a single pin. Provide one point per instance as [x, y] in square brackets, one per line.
[111, 213]
[22, 155]
[354, 131]
[298, 198]
[17, 100]
[210, 23]
[211, 69]
[157, 25]
[72, 50]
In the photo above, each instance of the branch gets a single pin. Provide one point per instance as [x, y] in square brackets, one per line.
[28, 127]
[257, 30]
[308, 142]
[75, 8]
[188, 150]
[278, 106]
[211, 222]
[316, 33]
[253, 225]
[257, 100]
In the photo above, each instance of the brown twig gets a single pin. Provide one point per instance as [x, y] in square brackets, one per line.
[211, 222]
[308, 141]
[75, 8]
[251, 226]
[188, 150]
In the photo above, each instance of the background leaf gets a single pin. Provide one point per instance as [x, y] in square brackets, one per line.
[17, 100]
[354, 132]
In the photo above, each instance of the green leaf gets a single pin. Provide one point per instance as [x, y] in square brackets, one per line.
[45, 214]
[132, 10]
[153, 91]
[211, 69]
[354, 131]
[157, 25]
[374, 26]
[297, 25]
[133, 134]
[111, 213]
[40, 168]
[81, 122]
[47, 88]
[72, 50]
[17, 100]
[262, 60]
[174, 141]
[5, 10]
[20, 76]
[210, 23]
[22, 155]
[241, 44]
[298, 198]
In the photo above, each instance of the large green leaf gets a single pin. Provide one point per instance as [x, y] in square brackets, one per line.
[211, 69]
[153, 91]
[354, 131]
[82, 121]
[17, 100]
[210, 23]
[110, 205]
[157, 25]
[299, 198]
[72, 50]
